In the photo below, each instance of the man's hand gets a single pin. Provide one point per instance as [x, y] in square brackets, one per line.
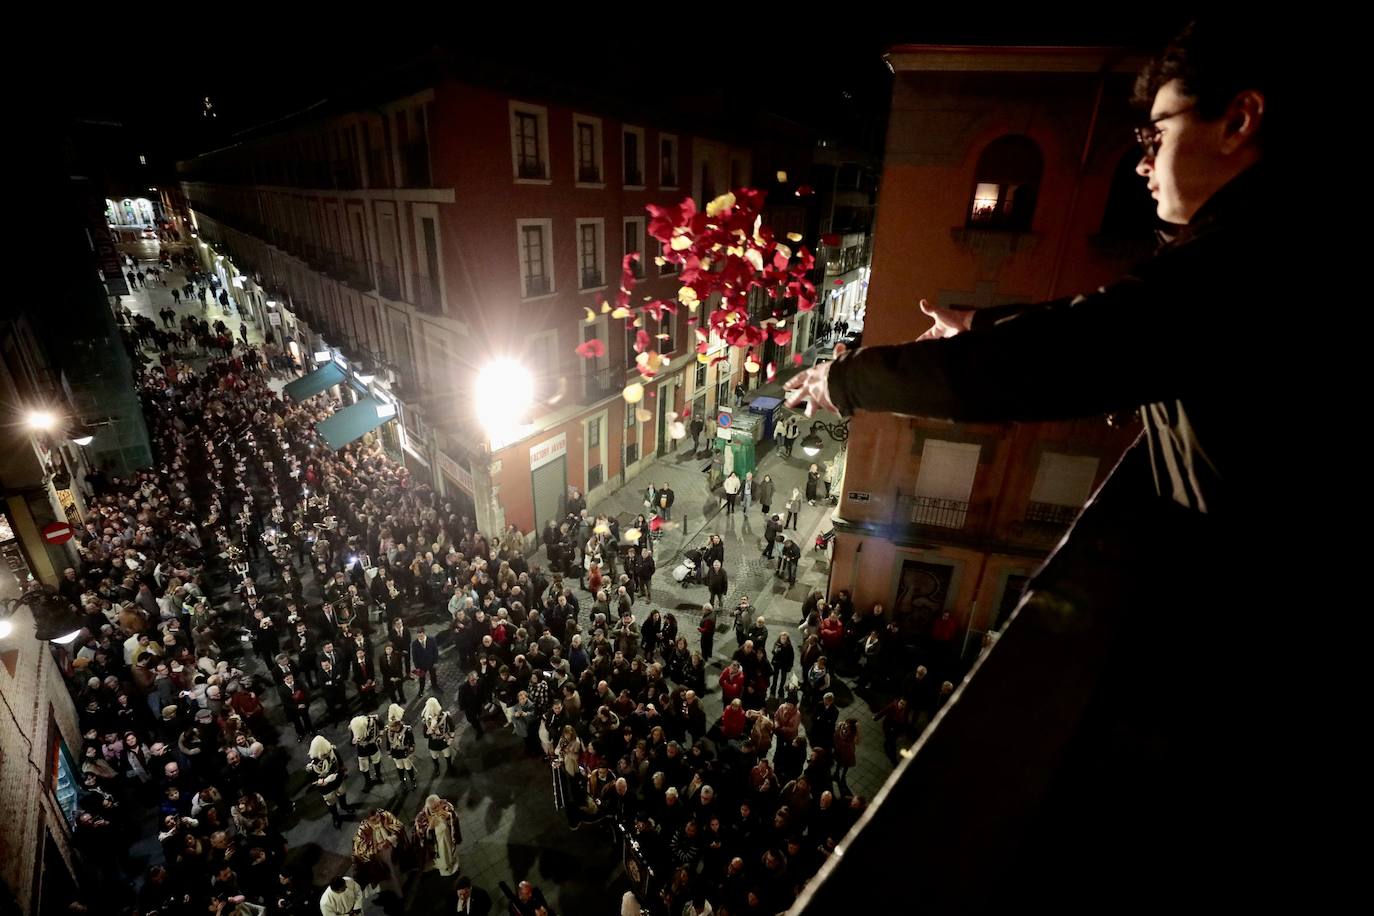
[813, 387]
[948, 322]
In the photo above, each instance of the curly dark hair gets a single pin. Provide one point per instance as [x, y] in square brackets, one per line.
[1214, 61]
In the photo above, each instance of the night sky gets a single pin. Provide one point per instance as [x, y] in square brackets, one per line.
[827, 74]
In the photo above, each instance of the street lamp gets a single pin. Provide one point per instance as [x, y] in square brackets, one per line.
[41, 420]
[504, 392]
[812, 443]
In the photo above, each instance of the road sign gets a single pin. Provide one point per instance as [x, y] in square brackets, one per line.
[57, 533]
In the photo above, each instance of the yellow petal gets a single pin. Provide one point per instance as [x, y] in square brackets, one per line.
[631, 535]
[660, 261]
[678, 430]
[750, 366]
[720, 204]
[663, 362]
[755, 258]
[782, 176]
[681, 243]
[703, 358]
[643, 415]
[605, 307]
[687, 294]
[638, 323]
[633, 393]
[794, 236]
[786, 252]
[591, 316]
[662, 336]
[601, 529]
[620, 312]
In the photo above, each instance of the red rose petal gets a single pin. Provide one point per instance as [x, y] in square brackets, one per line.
[796, 359]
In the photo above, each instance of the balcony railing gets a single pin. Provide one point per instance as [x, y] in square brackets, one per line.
[1049, 518]
[536, 286]
[597, 385]
[426, 293]
[356, 273]
[589, 174]
[596, 474]
[634, 177]
[591, 278]
[940, 513]
[531, 168]
[388, 281]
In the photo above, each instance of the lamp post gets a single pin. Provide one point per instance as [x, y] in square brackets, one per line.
[813, 443]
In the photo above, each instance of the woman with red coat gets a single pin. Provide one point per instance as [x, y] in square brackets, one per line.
[732, 721]
[832, 633]
[731, 683]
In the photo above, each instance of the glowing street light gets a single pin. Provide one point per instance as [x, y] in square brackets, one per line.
[504, 392]
[41, 420]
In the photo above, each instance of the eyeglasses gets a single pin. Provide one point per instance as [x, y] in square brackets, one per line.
[1149, 137]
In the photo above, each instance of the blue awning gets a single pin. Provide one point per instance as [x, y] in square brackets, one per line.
[307, 386]
[354, 422]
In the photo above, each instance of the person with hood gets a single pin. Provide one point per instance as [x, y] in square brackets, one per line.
[439, 732]
[367, 741]
[400, 743]
[329, 774]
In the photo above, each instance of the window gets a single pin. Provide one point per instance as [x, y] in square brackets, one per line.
[529, 142]
[587, 149]
[945, 483]
[700, 377]
[536, 266]
[1062, 486]
[62, 774]
[633, 148]
[708, 185]
[1006, 181]
[590, 256]
[723, 397]
[596, 470]
[668, 268]
[634, 242]
[666, 325]
[631, 332]
[667, 161]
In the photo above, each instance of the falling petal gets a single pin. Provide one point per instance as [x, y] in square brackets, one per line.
[805, 190]
[601, 529]
[755, 258]
[750, 366]
[605, 307]
[796, 359]
[591, 349]
[660, 262]
[722, 203]
[771, 371]
[680, 243]
[643, 415]
[631, 535]
[591, 316]
[677, 430]
[633, 393]
[794, 236]
[782, 176]
[621, 312]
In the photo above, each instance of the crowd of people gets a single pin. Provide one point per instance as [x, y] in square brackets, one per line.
[255, 570]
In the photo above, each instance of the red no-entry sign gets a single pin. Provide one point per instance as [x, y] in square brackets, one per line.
[57, 533]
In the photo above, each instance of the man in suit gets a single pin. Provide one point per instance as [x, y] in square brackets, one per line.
[424, 656]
